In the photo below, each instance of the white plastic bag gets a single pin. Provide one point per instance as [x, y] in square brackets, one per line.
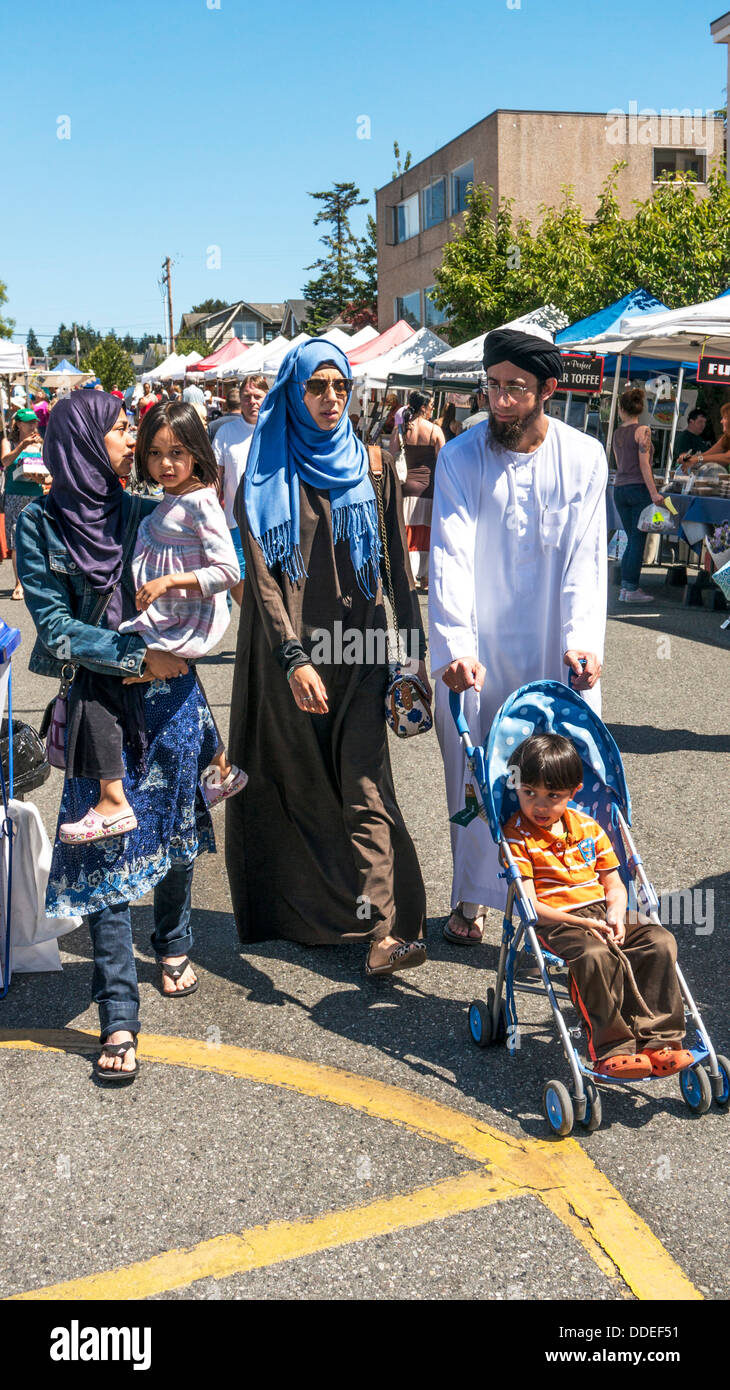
[658, 519]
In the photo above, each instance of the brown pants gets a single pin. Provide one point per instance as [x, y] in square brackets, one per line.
[628, 996]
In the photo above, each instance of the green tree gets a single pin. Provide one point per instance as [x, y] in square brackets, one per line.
[400, 168]
[109, 361]
[62, 342]
[6, 325]
[336, 285]
[209, 306]
[189, 343]
[363, 308]
[32, 344]
[673, 244]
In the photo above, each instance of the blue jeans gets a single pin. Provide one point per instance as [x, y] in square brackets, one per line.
[630, 502]
[114, 985]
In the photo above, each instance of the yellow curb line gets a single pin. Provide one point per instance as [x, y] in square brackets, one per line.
[559, 1173]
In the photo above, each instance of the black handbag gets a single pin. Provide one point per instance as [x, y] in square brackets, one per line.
[30, 764]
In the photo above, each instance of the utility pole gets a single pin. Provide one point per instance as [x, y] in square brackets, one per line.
[76, 344]
[167, 283]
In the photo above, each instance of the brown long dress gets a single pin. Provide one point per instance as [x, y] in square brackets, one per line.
[316, 847]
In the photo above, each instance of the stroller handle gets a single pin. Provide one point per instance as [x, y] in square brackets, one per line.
[456, 705]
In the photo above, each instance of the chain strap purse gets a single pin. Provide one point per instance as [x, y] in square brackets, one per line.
[407, 702]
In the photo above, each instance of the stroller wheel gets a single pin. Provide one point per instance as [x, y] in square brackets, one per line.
[694, 1083]
[722, 1094]
[480, 1023]
[594, 1110]
[558, 1108]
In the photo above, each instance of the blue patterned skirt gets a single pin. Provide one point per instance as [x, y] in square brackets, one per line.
[173, 824]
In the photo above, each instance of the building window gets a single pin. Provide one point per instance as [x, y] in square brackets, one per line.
[680, 162]
[431, 315]
[460, 180]
[434, 203]
[247, 329]
[408, 307]
[405, 219]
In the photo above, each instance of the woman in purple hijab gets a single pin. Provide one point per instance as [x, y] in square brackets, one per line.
[74, 559]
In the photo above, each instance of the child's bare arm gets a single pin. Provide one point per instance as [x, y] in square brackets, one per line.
[155, 588]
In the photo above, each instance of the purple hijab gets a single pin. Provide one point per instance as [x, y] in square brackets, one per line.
[86, 499]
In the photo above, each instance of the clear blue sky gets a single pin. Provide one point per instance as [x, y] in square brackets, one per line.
[194, 126]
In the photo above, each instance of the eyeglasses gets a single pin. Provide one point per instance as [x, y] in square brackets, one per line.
[513, 393]
[317, 385]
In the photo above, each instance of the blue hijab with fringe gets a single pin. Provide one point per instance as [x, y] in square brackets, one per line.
[288, 446]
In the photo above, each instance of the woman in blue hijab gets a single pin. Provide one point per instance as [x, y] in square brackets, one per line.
[318, 851]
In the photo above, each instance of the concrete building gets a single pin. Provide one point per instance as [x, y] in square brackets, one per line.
[720, 31]
[526, 156]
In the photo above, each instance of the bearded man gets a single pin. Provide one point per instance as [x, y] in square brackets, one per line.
[518, 579]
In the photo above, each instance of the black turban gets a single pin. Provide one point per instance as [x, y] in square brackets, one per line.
[526, 350]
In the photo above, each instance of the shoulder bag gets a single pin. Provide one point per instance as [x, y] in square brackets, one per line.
[407, 704]
[53, 724]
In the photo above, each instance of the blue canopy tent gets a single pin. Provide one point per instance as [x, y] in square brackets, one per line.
[605, 325]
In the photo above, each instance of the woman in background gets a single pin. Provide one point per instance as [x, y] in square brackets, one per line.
[421, 440]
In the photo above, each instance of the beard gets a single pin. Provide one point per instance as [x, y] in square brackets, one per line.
[509, 434]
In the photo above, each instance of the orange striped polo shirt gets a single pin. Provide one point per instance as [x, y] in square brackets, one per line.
[565, 867]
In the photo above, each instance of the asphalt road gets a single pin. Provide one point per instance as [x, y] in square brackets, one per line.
[95, 1180]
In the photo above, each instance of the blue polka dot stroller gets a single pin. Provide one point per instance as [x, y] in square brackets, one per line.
[551, 707]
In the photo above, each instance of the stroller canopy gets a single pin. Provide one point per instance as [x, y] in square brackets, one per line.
[549, 707]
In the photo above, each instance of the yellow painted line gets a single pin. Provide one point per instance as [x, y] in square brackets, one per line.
[262, 1246]
[559, 1173]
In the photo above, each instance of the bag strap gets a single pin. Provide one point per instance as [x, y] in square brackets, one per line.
[104, 600]
[376, 468]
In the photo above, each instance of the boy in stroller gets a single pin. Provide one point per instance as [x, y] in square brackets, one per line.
[622, 971]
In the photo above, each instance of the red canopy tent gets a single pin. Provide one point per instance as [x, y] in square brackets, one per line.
[392, 337]
[233, 348]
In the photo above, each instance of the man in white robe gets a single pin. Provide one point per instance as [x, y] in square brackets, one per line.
[518, 580]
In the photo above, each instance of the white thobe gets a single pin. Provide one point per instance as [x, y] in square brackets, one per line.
[517, 578]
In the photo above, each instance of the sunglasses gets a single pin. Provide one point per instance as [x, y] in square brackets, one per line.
[317, 385]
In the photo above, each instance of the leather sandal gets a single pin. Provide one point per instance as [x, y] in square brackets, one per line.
[110, 1076]
[403, 957]
[175, 972]
[464, 940]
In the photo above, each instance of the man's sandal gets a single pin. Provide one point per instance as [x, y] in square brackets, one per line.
[403, 957]
[111, 1076]
[464, 940]
[175, 972]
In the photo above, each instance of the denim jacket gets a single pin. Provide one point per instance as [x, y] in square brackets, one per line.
[61, 602]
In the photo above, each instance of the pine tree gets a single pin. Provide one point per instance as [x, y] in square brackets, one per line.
[336, 285]
[32, 344]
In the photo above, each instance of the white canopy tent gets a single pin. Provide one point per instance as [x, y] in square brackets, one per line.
[408, 359]
[363, 335]
[165, 371]
[13, 359]
[464, 363]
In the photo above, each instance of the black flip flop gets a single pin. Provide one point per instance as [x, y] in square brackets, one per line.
[109, 1076]
[174, 972]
